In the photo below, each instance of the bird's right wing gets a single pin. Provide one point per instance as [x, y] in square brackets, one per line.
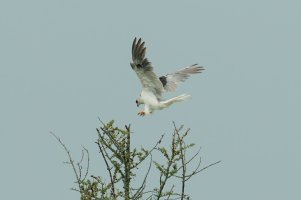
[171, 81]
[144, 69]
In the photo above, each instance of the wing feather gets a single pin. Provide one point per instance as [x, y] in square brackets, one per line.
[144, 69]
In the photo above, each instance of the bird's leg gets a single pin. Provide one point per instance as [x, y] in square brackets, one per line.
[141, 113]
[145, 111]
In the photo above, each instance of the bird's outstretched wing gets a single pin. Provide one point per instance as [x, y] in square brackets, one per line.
[171, 81]
[144, 69]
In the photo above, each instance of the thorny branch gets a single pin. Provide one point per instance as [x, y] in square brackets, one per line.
[122, 162]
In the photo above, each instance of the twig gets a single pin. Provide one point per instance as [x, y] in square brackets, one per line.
[167, 170]
[70, 159]
[141, 188]
[150, 151]
[127, 165]
[108, 169]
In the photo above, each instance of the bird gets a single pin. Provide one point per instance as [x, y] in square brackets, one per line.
[153, 86]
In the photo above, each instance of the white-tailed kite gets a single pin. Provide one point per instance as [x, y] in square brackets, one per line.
[152, 85]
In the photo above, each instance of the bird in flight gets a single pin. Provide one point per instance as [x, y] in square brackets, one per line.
[152, 85]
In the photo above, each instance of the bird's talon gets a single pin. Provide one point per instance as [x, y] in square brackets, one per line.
[141, 113]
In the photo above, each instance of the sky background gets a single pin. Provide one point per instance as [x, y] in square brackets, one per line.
[64, 63]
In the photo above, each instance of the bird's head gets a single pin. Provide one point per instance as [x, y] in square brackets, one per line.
[138, 102]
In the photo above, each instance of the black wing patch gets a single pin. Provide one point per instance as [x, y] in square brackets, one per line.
[163, 80]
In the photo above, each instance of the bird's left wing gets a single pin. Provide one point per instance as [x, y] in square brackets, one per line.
[144, 69]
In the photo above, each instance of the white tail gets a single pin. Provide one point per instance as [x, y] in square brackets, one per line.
[169, 102]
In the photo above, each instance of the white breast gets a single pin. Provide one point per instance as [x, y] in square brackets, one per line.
[149, 98]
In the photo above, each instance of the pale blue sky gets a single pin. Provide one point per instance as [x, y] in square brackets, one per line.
[64, 63]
